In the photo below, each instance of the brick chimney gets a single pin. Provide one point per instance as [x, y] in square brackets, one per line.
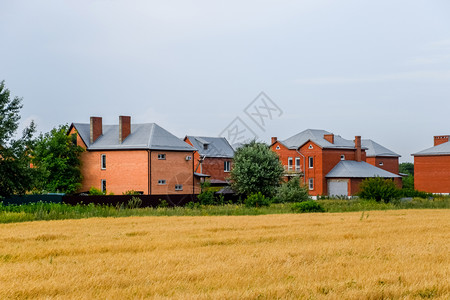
[358, 148]
[329, 137]
[274, 139]
[440, 139]
[95, 129]
[124, 127]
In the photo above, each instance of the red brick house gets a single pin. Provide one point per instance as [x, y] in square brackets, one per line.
[140, 157]
[380, 156]
[432, 167]
[213, 157]
[328, 163]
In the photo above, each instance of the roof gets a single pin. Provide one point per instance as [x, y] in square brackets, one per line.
[375, 149]
[316, 136]
[216, 146]
[442, 149]
[358, 169]
[143, 136]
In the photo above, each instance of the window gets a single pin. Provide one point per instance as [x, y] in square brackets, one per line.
[381, 163]
[310, 147]
[205, 146]
[342, 157]
[311, 183]
[178, 187]
[161, 181]
[297, 163]
[311, 162]
[226, 166]
[103, 161]
[290, 163]
[161, 156]
[278, 148]
[103, 185]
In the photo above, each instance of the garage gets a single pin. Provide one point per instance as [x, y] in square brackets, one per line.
[337, 187]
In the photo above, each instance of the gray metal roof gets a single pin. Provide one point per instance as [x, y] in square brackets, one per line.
[375, 149]
[216, 146]
[442, 149]
[355, 169]
[316, 136]
[143, 136]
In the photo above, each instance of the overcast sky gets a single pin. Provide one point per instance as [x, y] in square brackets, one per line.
[379, 69]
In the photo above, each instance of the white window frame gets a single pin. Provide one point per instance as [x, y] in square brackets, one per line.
[161, 156]
[311, 162]
[310, 147]
[178, 187]
[297, 163]
[381, 163]
[226, 166]
[342, 157]
[290, 163]
[103, 185]
[278, 148]
[103, 161]
[311, 184]
[162, 182]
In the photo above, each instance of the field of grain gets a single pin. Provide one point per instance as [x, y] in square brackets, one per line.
[380, 254]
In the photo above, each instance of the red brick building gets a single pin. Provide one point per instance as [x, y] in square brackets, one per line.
[432, 167]
[328, 163]
[213, 157]
[380, 156]
[140, 157]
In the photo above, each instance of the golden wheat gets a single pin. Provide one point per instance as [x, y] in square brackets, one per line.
[389, 254]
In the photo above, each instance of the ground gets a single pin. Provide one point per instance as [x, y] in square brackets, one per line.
[377, 254]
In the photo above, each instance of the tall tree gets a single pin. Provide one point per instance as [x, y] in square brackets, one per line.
[256, 168]
[16, 176]
[57, 158]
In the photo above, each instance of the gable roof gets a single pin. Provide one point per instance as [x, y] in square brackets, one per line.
[442, 149]
[358, 169]
[217, 146]
[316, 136]
[375, 149]
[149, 136]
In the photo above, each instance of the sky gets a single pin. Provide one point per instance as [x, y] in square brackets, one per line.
[378, 69]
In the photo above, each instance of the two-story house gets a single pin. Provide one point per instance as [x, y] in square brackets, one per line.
[140, 157]
[328, 163]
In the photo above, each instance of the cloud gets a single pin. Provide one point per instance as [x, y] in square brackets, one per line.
[401, 76]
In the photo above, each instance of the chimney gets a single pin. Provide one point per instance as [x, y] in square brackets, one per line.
[358, 148]
[440, 139]
[96, 129]
[329, 137]
[124, 127]
[274, 140]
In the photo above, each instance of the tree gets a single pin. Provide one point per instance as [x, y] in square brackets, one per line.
[56, 155]
[377, 188]
[406, 168]
[292, 191]
[408, 181]
[16, 176]
[256, 168]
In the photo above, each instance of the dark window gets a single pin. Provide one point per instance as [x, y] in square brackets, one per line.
[311, 183]
[103, 185]
[161, 156]
[311, 161]
[178, 187]
[103, 161]
[226, 166]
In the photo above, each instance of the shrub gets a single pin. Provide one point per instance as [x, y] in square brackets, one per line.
[134, 202]
[257, 200]
[414, 193]
[291, 191]
[206, 198]
[96, 192]
[131, 192]
[307, 206]
[163, 203]
[378, 189]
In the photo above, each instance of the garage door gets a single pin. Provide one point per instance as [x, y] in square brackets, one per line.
[337, 187]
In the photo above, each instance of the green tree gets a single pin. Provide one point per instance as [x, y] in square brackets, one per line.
[377, 188]
[16, 176]
[256, 168]
[406, 168]
[57, 158]
[292, 191]
[408, 181]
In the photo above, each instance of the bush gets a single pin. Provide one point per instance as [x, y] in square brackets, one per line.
[257, 200]
[131, 192]
[134, 202]
[307, 206]
[206, 198]
[378, 189]
[414, 193]
[292, 191]
[96, 192]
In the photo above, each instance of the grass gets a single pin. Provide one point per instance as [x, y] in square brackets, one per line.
[393, 254]
[57, 211]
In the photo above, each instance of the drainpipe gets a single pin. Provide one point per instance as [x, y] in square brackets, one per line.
[304, 166]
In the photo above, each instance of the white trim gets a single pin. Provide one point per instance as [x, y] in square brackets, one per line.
[103, 156]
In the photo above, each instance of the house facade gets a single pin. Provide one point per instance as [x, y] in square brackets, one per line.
[432, 167]
[380, 156]
[213, 157]
[328, 164]
[142, 157]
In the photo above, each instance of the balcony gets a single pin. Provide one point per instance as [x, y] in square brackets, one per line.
[292, 171]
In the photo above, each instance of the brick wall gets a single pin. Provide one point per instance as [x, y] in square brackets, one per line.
[432, 173]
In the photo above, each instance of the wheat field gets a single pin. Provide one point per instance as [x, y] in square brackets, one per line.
[380, 254]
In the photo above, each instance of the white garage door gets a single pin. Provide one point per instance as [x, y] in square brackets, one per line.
[337, 187]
